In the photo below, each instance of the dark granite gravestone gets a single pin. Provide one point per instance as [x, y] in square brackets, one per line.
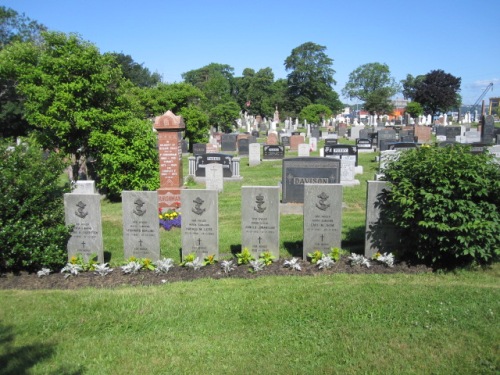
[340, 150]
[314, 170]
[498, 139]
[331, 141]
[488, 129]
[255, 133]
[272, 152]
[296, 133]
[184, 146]
[399, 146]
[363, 144]
[315, 131]
[479, 147]
[228, 142]
[388, 135]
[447, 143]
[450, 132]
[199, 149]
[285, 141]
[243, 146]
[363, 133]
[384, 144]
[201, 161]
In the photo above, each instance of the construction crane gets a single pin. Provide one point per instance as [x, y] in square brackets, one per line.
[473, 109]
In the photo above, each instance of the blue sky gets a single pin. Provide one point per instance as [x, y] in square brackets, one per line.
[172, 37]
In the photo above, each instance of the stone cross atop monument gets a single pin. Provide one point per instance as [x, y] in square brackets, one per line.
[169, 128]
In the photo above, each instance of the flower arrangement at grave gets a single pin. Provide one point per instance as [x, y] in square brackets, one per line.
[170, 218]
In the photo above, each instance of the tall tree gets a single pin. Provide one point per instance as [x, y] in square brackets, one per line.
[74, 97]
[372, 83]
[216, 81]
[135, 72]
[410, 85]
[311, 75]
[14, 27]
[438, 92]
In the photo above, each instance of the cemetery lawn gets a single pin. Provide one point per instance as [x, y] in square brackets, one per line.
[346, 320]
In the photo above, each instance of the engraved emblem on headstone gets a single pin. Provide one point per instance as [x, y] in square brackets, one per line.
[80, 212]
[197, 206]
[260, 201]
[322, 199]
[138, 207]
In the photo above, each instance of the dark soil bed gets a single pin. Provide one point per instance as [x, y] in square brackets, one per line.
[117, 278]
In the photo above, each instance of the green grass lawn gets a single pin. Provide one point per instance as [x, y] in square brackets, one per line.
[326, 324]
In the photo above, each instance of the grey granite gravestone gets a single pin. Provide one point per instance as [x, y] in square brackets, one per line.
[488, 129]
[83, 211]
[228, 142]
[141, 237]
[298, 171]
[243, 145]
[254, 154]
[388, 135]
[199, 149]
[378, 238]
[84, 187]
[214, 178]
[260, 220]
[200, 223]
[322, 217]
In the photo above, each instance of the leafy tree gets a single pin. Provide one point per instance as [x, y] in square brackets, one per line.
[314, 113]
[73, 96]
[311, 75]
[223, 115]
[410, 85]
[414, 109]
[14, 27]
[197, 124]
[438, 92]
[372, 84]
[445, 202]
[216, 81]
[260, 91]
[32, 230]
[135, 72]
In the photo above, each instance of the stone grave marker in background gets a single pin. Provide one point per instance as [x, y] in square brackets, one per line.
[228, 142]
[378, 238]
[285, 141]
[254, 154]
[364, 145]
[304, 149]
[84, 187]
[423, 133]
[214, 179]
[295, 141]
[184, 146]
[273, 152]
[272, 139]
[299, 171]
[83, 211]
[322, 217]
[243, 145]
[313, 144]
[169, 128]
[402, 146]
[200, 223]
[340, 151]
[388, 135]
[212, 148]
[260, 220]
[202, 161]
[488, 129]
[141, 237]
[199, 149]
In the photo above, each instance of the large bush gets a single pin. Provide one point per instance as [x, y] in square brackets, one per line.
[32, 230]
[445, 202]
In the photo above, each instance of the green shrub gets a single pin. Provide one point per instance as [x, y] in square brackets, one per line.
[32, 230]
[445, 203]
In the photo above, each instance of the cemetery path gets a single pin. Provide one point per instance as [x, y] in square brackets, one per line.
[145, 278]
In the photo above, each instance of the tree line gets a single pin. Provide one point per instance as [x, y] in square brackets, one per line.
[97, 107]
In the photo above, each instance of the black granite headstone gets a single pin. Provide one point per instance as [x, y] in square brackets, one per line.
[228, 142]
[243, 146]
[271, 152]
[340, 150]
[201, 162]
[199, 149]
[313, 170]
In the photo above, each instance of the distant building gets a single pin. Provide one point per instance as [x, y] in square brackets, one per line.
[493, 106]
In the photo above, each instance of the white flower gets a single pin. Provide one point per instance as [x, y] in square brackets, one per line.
[102, 269]
[387, 259]
[195, 264]
[43, 272]
[325, 262]
[227, 266]
[293, 264]
[164, 265]
[132, 267]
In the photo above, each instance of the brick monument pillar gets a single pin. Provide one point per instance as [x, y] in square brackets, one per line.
[169, 128]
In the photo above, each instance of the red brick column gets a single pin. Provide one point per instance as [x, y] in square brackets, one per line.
[169, 128]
